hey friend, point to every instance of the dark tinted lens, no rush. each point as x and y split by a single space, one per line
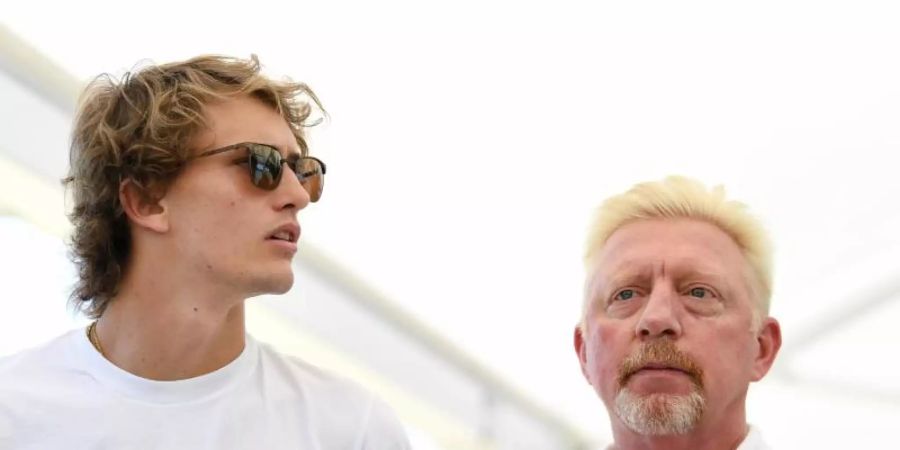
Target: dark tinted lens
311 173
265 166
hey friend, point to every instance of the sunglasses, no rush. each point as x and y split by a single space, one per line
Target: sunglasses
266 164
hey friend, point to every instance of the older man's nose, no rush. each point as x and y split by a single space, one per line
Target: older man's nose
660 315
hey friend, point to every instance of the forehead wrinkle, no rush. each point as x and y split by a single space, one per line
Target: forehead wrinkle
678 269
627 271
694 268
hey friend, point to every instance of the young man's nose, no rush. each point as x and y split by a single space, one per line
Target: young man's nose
290 194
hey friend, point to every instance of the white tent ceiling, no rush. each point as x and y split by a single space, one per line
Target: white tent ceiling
469 144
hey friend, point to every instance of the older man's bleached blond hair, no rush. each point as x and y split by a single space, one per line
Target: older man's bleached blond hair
682 197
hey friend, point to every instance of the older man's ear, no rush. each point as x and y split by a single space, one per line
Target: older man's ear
580 350
768 341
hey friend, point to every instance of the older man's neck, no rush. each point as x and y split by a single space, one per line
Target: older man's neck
722 435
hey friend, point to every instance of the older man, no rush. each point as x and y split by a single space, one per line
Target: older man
675 320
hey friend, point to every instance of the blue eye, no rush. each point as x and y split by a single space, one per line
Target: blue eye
699 292
625 294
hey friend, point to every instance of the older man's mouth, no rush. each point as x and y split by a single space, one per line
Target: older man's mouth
661 377
659 361
659 369
663 367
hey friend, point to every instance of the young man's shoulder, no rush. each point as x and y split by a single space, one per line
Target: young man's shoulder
335 399
285 371
62 386
36 381
33 364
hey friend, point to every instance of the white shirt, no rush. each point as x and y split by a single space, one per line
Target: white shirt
753 441
66 395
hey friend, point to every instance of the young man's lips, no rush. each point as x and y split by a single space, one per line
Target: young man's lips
284 245
285 237
289 232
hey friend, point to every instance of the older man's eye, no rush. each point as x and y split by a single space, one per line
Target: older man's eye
700 292
624 294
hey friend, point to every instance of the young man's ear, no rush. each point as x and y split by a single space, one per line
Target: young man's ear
143 209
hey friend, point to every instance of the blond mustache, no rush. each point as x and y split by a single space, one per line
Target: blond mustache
660 352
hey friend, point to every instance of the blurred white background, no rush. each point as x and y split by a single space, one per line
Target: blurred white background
469 143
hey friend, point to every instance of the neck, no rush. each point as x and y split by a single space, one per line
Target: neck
722 430
171 330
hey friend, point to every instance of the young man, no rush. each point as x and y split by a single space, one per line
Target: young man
675 323
187 181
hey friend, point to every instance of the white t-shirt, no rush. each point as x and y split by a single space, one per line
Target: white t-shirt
753 441
65 395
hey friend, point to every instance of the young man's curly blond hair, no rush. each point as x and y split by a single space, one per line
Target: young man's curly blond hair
139 128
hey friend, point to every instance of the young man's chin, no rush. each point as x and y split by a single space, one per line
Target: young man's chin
283 284
271 283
